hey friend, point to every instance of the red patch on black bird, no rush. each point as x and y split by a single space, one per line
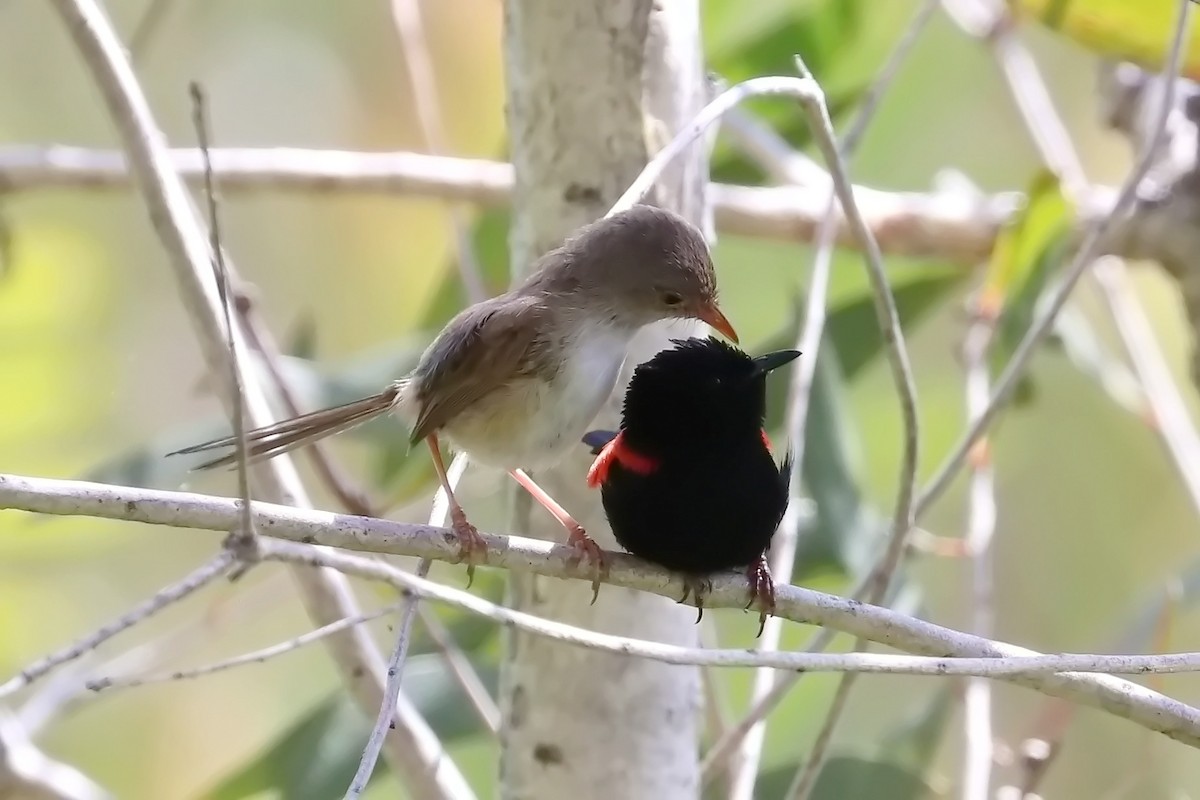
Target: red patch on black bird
616 450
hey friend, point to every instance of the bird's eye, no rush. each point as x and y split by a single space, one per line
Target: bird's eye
671 298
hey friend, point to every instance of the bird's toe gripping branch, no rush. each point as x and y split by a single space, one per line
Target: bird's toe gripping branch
697 589
587 548
469 540
762 589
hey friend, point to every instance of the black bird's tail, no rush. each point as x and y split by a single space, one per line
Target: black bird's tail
597 439
785 470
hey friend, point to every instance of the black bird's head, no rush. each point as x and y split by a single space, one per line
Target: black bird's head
700 391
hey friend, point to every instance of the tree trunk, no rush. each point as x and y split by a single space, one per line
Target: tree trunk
594 88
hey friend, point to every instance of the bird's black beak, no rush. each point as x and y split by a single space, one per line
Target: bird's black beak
765 363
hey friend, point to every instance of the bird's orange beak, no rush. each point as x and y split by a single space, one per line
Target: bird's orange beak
710 314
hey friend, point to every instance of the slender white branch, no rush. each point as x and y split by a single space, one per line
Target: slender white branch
413 750
391 695
998 667
981 525
461 669
1089 249
904 223
256 657
782 160
406 14
197 579
182 510
28 773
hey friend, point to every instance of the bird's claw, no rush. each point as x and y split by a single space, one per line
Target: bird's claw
469 541
697 589
762 589
586 547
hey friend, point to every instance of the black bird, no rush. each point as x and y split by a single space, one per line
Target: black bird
689 482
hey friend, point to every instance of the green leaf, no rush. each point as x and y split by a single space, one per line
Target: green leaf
489 242
852 325
1023 258
747 40
1117 29
843 42
316 757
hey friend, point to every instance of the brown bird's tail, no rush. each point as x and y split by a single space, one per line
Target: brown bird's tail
291 434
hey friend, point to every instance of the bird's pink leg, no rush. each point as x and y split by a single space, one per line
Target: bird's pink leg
576 536
468 537
762 589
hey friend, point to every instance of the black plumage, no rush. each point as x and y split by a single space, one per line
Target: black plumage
689 481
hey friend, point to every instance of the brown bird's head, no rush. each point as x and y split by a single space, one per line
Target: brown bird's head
637 267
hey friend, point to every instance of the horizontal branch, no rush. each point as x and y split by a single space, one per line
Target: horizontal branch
178 509
948 226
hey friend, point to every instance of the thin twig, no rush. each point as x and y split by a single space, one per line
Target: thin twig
366 765
981 525
806 777
812 99
1088 251
1157 388
182 510
461 669
786 540
1172 422
195 580
414 751
406 14
246 534
387 711
993 667
905 223
148 25
256 657
67 687
26 773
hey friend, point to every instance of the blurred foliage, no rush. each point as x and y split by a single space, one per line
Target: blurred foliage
1026 252
1139 32
101 377
316 758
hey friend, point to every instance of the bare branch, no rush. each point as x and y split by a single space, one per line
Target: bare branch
784 545
197 579
391 695
1090 248
255 657
407 16
1024 665
1143 706
414 750
981 526
29 774
904 223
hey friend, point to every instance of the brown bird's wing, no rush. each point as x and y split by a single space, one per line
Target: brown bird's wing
485 347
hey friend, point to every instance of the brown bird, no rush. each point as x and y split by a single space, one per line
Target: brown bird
514 381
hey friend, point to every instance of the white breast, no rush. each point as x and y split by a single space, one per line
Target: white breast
538 422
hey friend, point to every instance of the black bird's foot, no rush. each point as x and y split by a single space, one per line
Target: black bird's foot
762 589
469 541
697 589
587 548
